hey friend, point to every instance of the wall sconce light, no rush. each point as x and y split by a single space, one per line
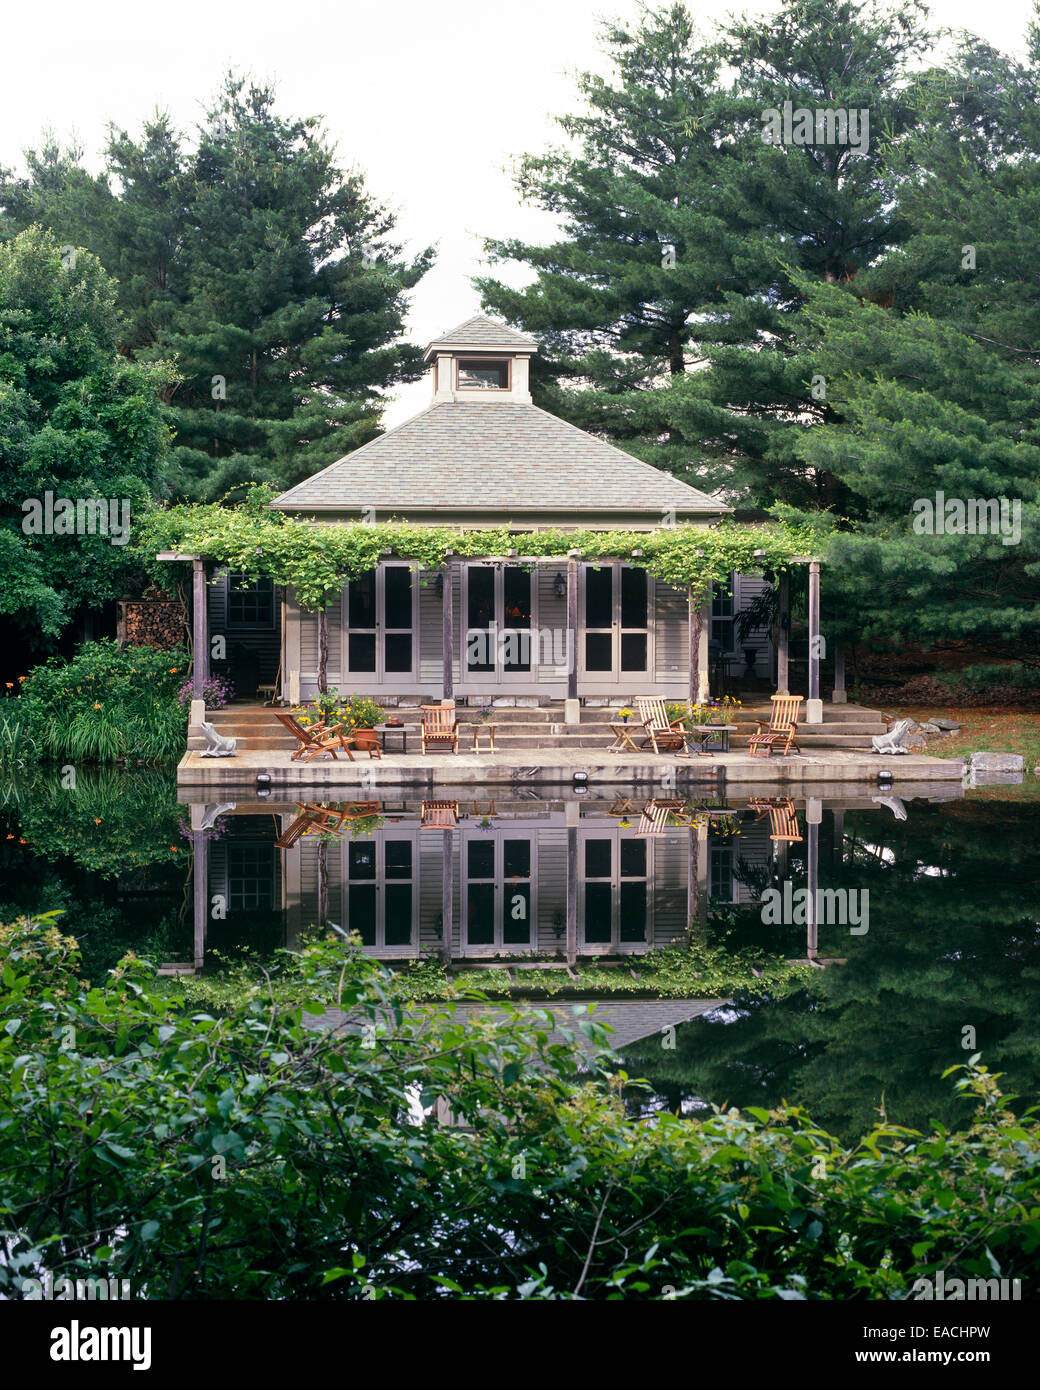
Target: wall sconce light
560 586
438 925
438 584
557 924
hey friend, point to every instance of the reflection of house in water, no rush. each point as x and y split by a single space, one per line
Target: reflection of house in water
516 879
510 879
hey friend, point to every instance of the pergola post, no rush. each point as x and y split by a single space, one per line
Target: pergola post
447 893
447 635
571 707
200 888
838 696
694 620
783 636
199 639
813 817
814 705
572 895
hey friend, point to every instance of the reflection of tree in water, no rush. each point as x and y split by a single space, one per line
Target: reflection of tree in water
954 943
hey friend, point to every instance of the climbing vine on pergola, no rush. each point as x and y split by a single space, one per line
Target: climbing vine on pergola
317 558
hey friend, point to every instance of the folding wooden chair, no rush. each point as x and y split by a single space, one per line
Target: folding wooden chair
439 727
314 738
444 814
783 722
662 734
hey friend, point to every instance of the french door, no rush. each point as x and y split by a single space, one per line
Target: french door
380 623
379 880
498 908
614 898
615 641
498 608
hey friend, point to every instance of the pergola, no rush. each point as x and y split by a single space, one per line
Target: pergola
697 643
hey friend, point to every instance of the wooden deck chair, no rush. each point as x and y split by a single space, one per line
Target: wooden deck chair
783 819
444 814
662 734
783 722
439 727
314 738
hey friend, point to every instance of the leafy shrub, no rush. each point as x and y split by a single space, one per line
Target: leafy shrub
252 1155
105 704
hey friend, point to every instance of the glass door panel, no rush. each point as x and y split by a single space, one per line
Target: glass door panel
516 618
380 624
617 607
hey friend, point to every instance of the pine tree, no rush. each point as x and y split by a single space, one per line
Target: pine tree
700 361
271 276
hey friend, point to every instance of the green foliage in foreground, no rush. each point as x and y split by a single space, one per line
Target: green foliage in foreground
106 703
253 1156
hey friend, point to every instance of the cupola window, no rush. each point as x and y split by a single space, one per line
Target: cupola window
477 374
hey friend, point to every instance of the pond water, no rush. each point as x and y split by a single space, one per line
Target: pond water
925 922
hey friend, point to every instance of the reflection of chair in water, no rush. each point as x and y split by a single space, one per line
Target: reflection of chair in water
783 819
327 820
654 819
440 813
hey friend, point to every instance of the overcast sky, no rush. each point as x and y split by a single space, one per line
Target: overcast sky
432 99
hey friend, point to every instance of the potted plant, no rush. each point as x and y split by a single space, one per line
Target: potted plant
625 714
360 715
485 711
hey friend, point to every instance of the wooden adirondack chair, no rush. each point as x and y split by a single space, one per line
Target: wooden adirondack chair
439 727
314 738
780 730
783 819
662 734
443 814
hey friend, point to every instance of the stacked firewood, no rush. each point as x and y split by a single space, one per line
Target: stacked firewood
151 623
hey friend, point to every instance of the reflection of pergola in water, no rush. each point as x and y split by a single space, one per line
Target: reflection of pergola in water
330 823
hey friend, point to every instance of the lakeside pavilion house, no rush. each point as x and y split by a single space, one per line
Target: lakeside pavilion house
567 629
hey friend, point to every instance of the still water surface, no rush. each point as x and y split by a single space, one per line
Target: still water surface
938 954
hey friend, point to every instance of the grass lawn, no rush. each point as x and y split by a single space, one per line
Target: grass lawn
996 729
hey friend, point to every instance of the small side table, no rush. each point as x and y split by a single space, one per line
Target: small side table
476 736
715 737
623 737
387 730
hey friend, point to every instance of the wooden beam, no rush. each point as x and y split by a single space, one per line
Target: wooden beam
694 620
812 926
814 630
839 695
447 893
200 892
572 894
572 625
199 628
783 639
448 633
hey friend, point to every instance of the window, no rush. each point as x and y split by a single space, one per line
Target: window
722 616
250 601
475 375
251 878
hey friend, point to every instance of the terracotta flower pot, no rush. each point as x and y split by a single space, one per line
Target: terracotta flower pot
364 739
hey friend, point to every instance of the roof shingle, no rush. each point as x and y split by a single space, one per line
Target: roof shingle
493 455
